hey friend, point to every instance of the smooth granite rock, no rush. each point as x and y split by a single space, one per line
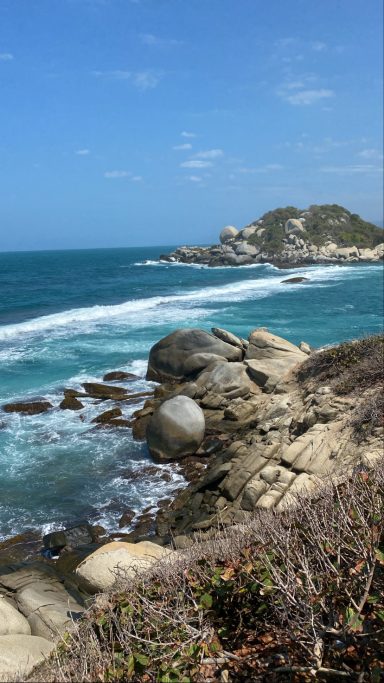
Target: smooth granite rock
176 429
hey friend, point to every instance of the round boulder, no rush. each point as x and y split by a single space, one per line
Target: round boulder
228 233
184 353
293 227
247 232
176 429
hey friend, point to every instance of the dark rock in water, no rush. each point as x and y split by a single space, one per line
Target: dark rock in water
126 518
119 375
28 407
120 423
20 548
104 391
139 427
107 416
295 280
71 403
81 534
73 393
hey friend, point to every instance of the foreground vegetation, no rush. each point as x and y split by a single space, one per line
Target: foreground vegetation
353 368
295 597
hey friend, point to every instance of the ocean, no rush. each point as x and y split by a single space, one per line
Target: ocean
68 317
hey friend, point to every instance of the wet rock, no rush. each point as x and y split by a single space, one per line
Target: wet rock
295 280
126 518
28 407
75 536
107 416
105 391
71 403
119 375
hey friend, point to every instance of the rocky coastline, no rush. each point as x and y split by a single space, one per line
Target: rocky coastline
289 238
252 423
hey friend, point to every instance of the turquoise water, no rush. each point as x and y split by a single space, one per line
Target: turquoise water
69 317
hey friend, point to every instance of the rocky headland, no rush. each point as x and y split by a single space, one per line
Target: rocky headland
291 237
257 424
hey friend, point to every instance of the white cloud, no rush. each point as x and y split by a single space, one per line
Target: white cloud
352 168
307 97
260 169
196 163
318 46
116 174
370 154
210 154
186 146
152 40
195 178
137 178
142 80
186 134
82 152
6 56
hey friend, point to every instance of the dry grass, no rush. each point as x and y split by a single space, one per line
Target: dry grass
284 598
355 368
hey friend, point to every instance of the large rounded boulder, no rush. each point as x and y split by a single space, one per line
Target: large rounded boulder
176 429
228 233
293 227
184 353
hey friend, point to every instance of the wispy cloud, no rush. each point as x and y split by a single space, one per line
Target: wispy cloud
142 80
116 174
296 93
352 168
187 134
6 56
196 163
82 152
370 154
155 41
209 154
195 178
318 46
260 169
185 146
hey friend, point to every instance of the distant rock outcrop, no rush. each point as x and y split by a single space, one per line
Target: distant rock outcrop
288 237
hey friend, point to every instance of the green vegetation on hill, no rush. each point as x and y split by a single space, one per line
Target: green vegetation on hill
323 223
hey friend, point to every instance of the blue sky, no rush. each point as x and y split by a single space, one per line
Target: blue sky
139 122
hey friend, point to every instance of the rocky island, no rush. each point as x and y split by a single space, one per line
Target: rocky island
289 237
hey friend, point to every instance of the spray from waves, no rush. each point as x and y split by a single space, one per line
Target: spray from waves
160 306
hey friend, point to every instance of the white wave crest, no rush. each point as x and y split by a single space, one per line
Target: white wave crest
159 308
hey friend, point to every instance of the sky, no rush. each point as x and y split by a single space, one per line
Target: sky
158 122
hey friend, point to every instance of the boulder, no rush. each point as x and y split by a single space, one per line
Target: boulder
107 416
293 226
71 403
269 358
346 252
247 249
247 232
368 255
119 375
81 534
49 608
176 429
229 380
295 280
228 233
99 571
19 654
227 337
28 407
172 357
11 621
104 391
